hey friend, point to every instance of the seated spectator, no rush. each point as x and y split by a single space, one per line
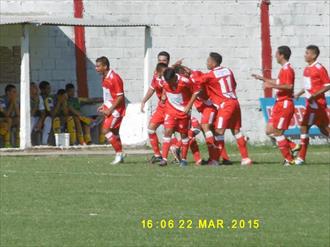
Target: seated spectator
82 123
9 114
40 122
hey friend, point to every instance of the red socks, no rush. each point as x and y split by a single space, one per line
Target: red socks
304 141
185 147
284 147
241 143
166 146
115 142
195 149
154 142
224 154
291 144
220 143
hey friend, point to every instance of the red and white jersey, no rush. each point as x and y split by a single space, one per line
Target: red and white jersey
203 100
157 85
177 99
220 85
113 87
286 76
315 78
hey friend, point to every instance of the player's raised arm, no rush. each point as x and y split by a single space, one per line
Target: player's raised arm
148 95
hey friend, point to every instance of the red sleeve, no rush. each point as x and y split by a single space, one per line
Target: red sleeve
153 83
324 76
204 78
118 86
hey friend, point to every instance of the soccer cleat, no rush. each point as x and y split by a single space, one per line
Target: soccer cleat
118 159
163 162
205 162
299 161
155 159
183 163
226 162
213 163
199 163
289 163
296 149
246 162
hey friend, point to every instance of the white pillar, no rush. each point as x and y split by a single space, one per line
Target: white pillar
146 77
25 116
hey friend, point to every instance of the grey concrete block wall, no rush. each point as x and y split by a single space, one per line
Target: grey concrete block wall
187 29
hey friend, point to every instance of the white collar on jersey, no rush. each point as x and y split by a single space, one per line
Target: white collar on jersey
286 64
313 63
219 67
109 73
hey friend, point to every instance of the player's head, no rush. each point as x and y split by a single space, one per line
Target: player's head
10 91
214 60
33 89
181 70
61 93
163 57
312 53
283 54
69 88
102 65
160 68
44 87
170 76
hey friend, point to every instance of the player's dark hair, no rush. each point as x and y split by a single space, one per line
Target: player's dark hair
61 91
165 54
43 84
161 66
285 51
169 74
32 83
315 49
104 61
69 86
216 58
9 87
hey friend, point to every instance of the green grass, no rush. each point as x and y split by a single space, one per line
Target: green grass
84 201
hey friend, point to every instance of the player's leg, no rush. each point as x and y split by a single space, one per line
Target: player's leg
156 120
166 144
79 130
194 147
47 126
241 141
154 142
71 127
284 147
175 148
87 134
110 129
304 142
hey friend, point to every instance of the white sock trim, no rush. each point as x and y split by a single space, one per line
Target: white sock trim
208 134
280 138
238 135
166 139
151 131
108 135
304 136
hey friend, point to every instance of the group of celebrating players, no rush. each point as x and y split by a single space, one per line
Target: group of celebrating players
213 94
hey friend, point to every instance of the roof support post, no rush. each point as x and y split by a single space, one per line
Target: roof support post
146 75
25 115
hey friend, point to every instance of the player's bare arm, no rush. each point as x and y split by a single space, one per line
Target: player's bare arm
322 91
191 102
148 95
115 104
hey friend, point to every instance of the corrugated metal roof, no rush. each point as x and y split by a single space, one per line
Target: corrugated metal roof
65 21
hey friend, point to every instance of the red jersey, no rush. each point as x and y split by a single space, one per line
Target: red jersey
316 77
113 87
285 76
177 99
220 85
157 85
202 100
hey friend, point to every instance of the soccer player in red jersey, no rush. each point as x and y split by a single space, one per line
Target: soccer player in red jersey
208 111
283 109
179 95
220 85
317 82
158 115
113 107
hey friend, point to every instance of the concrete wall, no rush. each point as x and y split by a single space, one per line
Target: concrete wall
187 29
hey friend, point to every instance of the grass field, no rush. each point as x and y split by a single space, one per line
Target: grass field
85 201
